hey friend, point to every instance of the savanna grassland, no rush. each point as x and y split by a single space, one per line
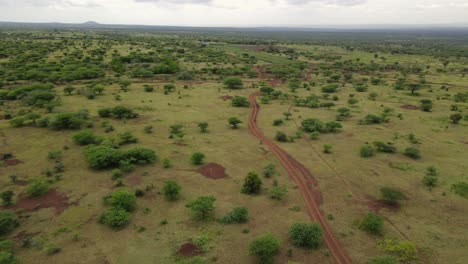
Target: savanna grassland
144 147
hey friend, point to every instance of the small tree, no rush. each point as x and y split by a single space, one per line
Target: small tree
281 137
171 190
327 148
307 235
456 118
372 223
115 218
85 137
125 85
233 83
68 90
197 158
7 197
252 184
277 192
234 122
203 126
264 247
202 207
426 105
239 101
287 115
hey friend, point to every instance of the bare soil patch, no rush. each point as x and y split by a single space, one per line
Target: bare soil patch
213 171
188 250
12 162
376 205
226 97
134 180
410 107
52 198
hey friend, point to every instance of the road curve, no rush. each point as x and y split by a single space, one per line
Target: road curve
303 180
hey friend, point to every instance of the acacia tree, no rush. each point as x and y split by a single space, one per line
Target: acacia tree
264 247
234 122
233 83
203 126
252 184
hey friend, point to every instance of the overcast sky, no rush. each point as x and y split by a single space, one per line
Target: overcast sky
237 12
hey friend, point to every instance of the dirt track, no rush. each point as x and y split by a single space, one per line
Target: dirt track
304 182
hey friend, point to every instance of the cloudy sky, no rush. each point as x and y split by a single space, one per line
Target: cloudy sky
237 12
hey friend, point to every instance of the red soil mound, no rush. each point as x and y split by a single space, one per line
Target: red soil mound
188 250
213 171
52 198
12 162
376 205
410 107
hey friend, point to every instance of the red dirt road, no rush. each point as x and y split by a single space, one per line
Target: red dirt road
303 179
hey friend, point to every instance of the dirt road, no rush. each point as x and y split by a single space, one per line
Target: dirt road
305 183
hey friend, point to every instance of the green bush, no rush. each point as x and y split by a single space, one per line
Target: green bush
238 215
405 251
233 83
391 195
104 157
171 190
68 121
8 222
239 101
202 207
115 218
372 223
307 235
412 153
86 137
367 151
37 188
197 158
252 184
281 137
264 247
278 122
277 192
382 147
460 188
7 257
121 199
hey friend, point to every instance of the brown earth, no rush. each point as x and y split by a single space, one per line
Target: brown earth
410 107
52 198
226 97
12 162
213 171
188 250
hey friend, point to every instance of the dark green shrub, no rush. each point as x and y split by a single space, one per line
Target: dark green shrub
8 222
197 158
67 121
238 215
382 147
239 101
412 153
391 195
281 137
233 83
307 235
202 207
367 151
277 192
252 184
278 122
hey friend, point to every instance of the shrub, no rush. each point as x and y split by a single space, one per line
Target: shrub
115 217
382 147
327 148
372 223
121 199
278 122
238 215
391 195
102 157
171 190
7 257
86 137
8 222
312 125
121 112
252 184
382 260
281 137
239 101
405 251
373 119
367 151
202 207
7 197
67 121
126 138
426 105
203 126
412 153
37 188
456 118
307 235
331 88
269 170
197 158
166 163
105 112
277 192
460 188
264 247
